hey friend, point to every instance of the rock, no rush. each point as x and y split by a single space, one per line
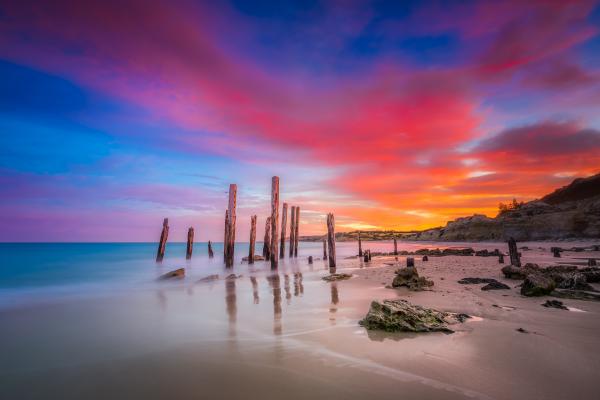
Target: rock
486 253
592 275
232 276
458 252
209 278
522 330
575 294
402 316
512 272
571 280
492 284
409 277
336 277
495 286
425 258
555 304
537 284
256 258
177 273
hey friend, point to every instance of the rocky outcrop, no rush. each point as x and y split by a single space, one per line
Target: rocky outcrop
402 316
537 284
409 277
175 274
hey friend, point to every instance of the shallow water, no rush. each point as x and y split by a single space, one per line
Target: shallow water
91 321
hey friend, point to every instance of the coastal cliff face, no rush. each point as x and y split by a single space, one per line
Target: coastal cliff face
569 212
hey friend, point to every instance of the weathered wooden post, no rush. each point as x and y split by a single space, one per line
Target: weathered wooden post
160 253
369 252
395 247
274 222
283 228
514 253
366 256
267 240
190 243
225 235
310 259
252 239
501 259
296 229
231 227
211 254
292 230
331 241
360 252
410 262
324 249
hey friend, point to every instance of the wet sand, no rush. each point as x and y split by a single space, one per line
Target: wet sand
291 335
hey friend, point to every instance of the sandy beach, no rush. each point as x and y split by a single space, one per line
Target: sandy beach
290 334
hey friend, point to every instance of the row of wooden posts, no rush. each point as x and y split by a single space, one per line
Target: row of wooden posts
273 240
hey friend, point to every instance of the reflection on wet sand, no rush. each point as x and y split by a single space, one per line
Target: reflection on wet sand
298 286
288 293
334 301
255 289
231 302
275 284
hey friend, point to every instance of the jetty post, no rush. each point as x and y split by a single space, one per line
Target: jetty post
292 230
283 228
515 259
160 253
296 229
230 230
331 241
252 239
211 254
190 243
267 240
274 222
360 252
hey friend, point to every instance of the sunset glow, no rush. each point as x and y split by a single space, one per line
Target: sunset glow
398 115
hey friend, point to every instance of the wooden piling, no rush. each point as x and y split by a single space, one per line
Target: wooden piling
231 226
360 252
296 231
331 240
274 222
366 256
292 230
515 259
211 254
324 249
369 254
395 247
252 239
225 235
267 240
160 253
410 262
190 243
310 259
283 228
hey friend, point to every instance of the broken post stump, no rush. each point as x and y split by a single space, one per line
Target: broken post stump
283 228
410 262
211 254
274 222
310 259
360 252
331 240
267 240
366 256
252 239
190 243
296 231
425 258
324 249
395 247
369 253
515 258
556 252
292 230
162 243
501 259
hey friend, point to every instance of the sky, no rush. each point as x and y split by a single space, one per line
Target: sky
390 114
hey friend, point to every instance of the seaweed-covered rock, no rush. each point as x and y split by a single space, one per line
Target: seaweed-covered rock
402 316
537 284
513 272
409 277
177 274
336 277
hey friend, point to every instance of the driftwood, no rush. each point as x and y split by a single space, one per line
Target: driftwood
296 229
211 254
292 230
230 247
160 253
515 259
267 240
331 240
274 222
252 239
360 252
190 243
283 228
